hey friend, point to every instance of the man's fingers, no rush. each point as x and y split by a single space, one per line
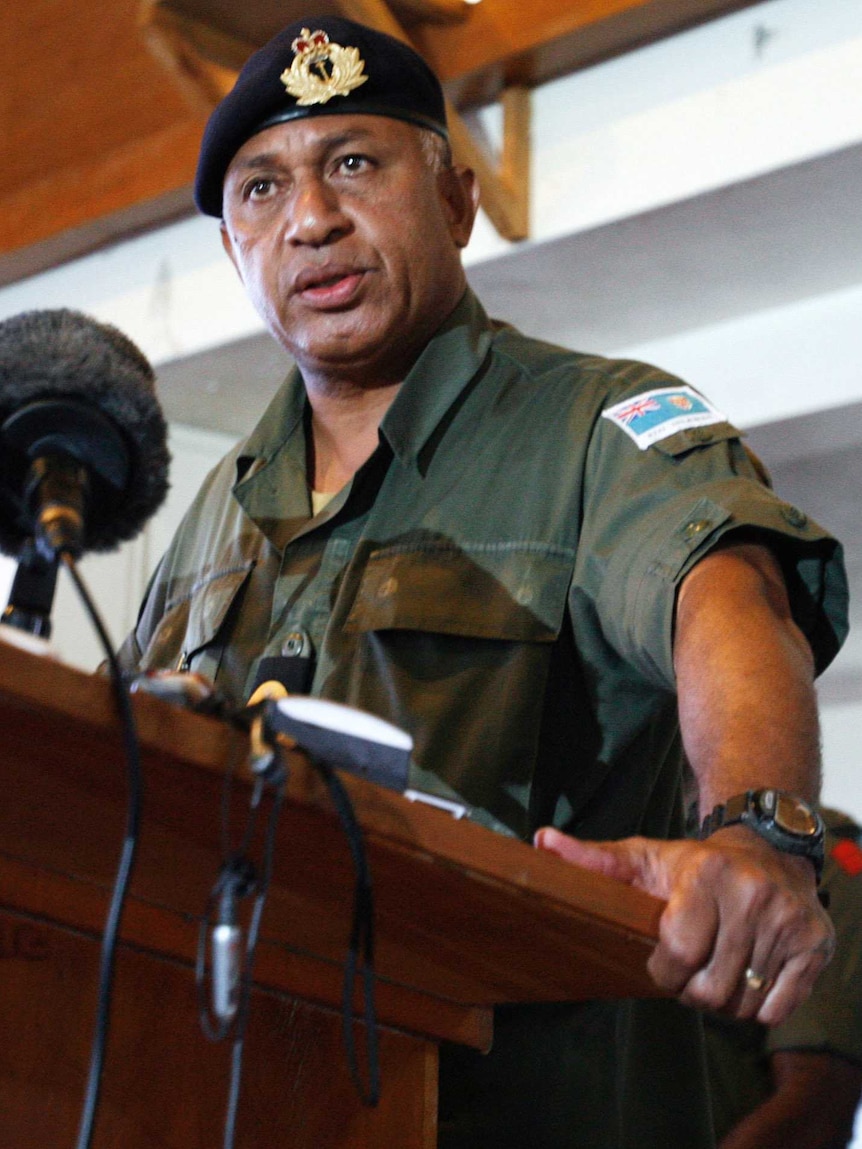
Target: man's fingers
621 860
794 983
770 943
708 934
687 931
742 931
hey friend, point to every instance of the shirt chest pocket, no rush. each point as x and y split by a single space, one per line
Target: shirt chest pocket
508 592
454 645
192 632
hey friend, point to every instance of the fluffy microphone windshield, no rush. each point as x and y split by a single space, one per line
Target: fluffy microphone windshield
65 355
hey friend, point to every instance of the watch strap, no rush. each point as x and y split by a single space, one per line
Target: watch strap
728 813
757 809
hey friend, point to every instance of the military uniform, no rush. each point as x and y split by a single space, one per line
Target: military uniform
830 1021
499 579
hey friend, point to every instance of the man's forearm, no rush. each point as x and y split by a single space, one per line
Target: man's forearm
745 679
742 930
778 1124
813 1105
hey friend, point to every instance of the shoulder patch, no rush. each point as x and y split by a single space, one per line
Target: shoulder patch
655 415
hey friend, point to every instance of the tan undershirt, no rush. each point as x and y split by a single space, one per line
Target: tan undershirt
321 499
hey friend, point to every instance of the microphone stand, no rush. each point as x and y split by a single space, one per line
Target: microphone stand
32 593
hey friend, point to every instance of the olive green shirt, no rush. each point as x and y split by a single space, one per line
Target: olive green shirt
499 580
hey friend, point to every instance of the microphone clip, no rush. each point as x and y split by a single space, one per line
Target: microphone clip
237 879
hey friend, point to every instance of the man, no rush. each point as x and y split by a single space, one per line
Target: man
538 562
798 1085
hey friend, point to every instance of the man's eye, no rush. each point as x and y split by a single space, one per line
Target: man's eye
354 163
257 188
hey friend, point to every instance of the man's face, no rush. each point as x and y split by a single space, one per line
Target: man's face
347 241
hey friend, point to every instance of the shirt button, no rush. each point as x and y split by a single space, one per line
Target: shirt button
702 435
296 645
794 516
697 528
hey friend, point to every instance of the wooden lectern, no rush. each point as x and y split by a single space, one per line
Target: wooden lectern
465 919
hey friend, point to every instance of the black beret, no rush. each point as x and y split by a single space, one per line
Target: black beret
319 66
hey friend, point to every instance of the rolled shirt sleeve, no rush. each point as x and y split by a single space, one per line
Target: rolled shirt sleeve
651 514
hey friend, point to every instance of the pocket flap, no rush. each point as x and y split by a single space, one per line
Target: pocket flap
499 591
211 600
199 611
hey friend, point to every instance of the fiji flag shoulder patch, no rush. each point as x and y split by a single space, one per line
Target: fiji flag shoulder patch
655 415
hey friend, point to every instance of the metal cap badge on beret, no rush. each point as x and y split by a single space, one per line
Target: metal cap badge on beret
320 66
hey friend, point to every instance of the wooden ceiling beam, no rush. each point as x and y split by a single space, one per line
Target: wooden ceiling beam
482 52
95 137
505 43
142 184
478 49
96 141
202 59
505 180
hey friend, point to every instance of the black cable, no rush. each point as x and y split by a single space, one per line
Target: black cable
125 865
251 947
228 851
235 880
361 943
238 878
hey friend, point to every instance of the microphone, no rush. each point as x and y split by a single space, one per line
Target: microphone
83 441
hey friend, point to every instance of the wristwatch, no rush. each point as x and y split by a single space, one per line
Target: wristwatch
785 821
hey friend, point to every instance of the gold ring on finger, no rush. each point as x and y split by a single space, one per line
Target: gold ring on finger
755 981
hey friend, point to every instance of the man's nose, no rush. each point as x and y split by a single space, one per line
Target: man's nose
315 215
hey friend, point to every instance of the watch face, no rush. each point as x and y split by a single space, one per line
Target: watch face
794 816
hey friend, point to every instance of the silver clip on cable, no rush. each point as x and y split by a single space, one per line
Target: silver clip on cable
224 1010
237 880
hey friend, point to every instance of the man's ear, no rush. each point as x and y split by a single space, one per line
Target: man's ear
459 190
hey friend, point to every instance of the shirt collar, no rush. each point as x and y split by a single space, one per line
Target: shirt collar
270 468
450 360
278 424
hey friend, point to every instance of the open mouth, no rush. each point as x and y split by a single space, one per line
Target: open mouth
329 289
